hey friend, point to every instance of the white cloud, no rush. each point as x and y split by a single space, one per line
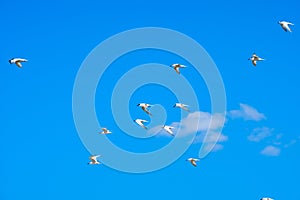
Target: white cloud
195 122
271 151
211 137
207 125
247 113
258 134
291 143
213 147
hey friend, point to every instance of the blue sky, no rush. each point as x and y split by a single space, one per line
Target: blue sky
42 155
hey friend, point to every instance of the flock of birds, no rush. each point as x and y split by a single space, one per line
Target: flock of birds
145 106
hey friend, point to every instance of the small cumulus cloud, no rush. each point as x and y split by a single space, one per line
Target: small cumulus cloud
291 143
271 151
195 122
207 126
211 137
258 134
247 112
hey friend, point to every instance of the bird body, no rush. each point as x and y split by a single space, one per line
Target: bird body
141 122
94 160
182 106
17 61
168 129
105 131
285 25
145 107
254 58
193 161
177 66
266 198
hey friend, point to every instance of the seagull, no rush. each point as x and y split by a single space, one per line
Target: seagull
144 106
141 122
94 160
182 106
105 131
193 161
17 61
255 58
285 25
266 198
168 129
177 66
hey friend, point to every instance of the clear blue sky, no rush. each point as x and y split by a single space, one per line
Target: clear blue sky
42 156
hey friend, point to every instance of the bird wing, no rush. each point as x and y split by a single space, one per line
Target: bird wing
104 129
176 68
194 163
144 126
140 122
287 28
93 159
147 111
168 129
254 62
18 63
184 107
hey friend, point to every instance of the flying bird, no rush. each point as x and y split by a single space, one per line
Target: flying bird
94 160
168 129
177 67
141 122
182 106
17 61
145 107
193 161
285 25
105 131
254 58
266 198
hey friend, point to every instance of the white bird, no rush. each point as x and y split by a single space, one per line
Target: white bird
285 25
182 106
266 198
141 122
17 61
193 161
177 67
105 131
254 58
145 107
94 160
168 129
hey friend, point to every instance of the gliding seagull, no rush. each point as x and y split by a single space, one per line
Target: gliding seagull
177 66
254 58
285 25
94 160
144 106
182 106
168 129
17 61
141 122
105 131
193 161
